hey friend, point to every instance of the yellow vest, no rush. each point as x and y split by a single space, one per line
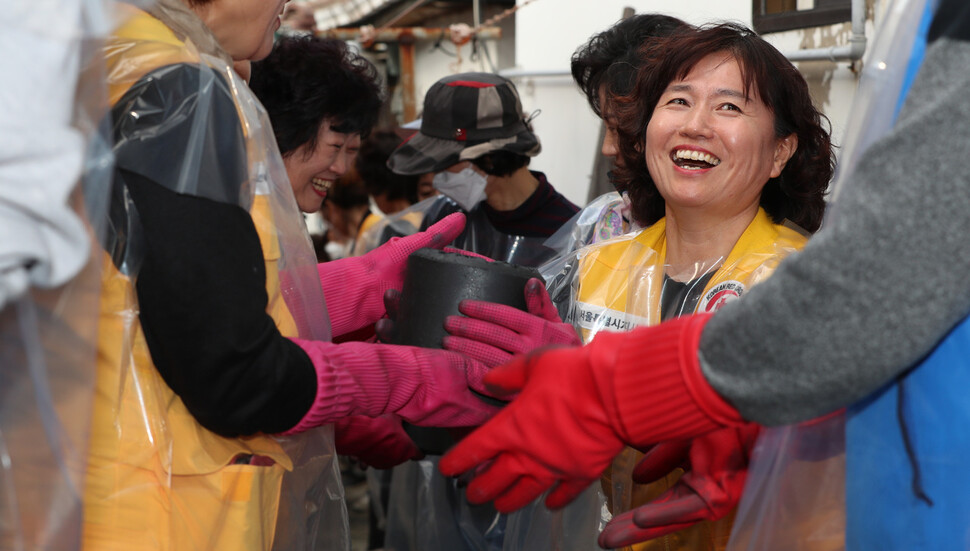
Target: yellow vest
156 479
620 284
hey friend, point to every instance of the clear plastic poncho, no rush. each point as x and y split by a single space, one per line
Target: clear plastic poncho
50 104
156 478
795 495
425 509
605 217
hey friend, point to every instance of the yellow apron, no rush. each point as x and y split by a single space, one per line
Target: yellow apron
619 289
156 479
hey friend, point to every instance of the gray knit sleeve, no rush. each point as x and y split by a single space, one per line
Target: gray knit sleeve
883 281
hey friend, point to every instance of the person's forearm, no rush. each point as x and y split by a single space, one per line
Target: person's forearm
880 284
202 299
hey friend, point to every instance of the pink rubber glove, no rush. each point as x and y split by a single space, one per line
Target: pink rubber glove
716 466
354 287
579 406
421 386
378 442
492 333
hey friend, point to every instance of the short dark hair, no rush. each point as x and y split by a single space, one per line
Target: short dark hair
798 194
618 44
501 163
371 164
306 80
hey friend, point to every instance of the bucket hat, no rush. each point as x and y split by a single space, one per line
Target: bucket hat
466 116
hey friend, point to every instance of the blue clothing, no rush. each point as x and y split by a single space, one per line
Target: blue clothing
915 498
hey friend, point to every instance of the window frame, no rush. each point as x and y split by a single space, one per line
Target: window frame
825 12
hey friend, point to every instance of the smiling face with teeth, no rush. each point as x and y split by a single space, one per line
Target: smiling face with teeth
312 172
710 149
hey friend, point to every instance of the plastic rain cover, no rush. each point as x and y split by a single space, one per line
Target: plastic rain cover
164 482
624 283
49 281
794 497
603 218
425 509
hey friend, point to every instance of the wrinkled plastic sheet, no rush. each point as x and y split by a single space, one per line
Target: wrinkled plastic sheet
307 498
427 510
605 217
795 495
479 236
48 328
794 498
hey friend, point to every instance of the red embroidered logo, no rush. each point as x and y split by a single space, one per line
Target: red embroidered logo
719 295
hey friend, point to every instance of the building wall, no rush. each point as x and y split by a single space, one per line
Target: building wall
538 41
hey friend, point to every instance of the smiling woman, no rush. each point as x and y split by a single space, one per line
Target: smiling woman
720 145
707 91
322 98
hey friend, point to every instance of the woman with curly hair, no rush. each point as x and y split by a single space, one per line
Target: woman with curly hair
727 163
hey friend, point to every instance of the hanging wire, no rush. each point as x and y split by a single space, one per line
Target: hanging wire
488 56
495 19
439 45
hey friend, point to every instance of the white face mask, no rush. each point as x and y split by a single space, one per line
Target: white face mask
467 188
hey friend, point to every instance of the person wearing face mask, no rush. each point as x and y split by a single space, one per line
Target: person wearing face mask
476 140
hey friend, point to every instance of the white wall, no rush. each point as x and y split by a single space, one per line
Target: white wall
547 33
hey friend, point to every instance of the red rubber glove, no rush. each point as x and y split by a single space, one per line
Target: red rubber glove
378 442
354 287
579 406
421 386
716 466
492 333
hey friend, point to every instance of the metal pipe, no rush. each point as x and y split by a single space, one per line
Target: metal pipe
395 34
406 47
517 73
850 52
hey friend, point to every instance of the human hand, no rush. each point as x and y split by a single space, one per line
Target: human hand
354 287
716 466
579 406
492 333
378 442
558 409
